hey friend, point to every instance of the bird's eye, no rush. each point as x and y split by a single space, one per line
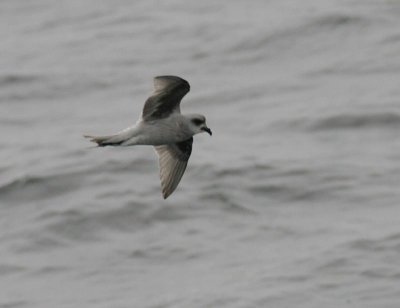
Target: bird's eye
197 122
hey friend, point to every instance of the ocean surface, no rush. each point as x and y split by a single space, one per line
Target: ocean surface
293 202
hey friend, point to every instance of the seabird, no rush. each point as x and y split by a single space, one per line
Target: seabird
163 126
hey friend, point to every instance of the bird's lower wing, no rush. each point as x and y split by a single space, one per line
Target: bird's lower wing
173 159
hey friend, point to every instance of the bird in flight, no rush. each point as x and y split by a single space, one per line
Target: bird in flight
163 126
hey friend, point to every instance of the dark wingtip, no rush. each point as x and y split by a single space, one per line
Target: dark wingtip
165 195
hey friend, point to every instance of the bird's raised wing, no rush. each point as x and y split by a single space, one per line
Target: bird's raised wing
173 159
169 91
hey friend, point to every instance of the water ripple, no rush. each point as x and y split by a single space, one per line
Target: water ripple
357 121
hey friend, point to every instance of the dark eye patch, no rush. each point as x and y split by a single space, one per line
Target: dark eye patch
197 122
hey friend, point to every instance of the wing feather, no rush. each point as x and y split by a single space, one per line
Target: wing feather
173 159
169 91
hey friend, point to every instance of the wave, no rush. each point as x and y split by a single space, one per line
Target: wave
348 121
226 201
28 188
298 34
338 20
226 187
18 79
20 87
11 269
82 225
389 242
60 182
357 121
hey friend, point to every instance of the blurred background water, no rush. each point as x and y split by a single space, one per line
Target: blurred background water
294 201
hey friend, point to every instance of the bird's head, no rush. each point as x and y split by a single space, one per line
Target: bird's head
197 124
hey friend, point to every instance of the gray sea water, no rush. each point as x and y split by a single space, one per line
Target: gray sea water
293 202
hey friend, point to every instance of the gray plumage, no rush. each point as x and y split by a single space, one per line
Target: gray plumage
169 91
163 126
173 159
